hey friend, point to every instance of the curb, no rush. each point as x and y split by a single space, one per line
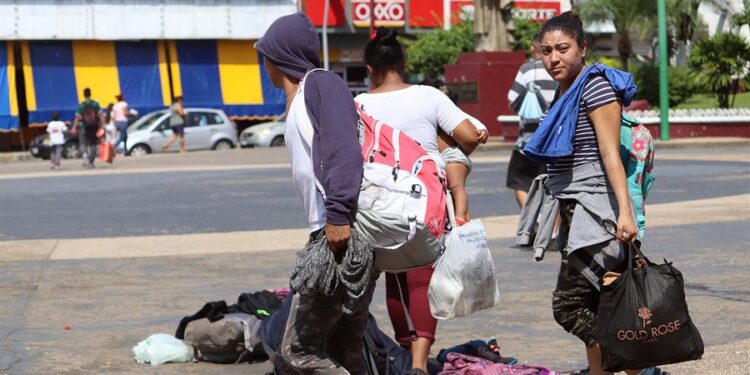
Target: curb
495 145
703 142
10 157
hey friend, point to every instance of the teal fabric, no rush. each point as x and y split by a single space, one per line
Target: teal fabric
637 153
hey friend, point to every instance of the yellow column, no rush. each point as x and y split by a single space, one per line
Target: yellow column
95 67
239 72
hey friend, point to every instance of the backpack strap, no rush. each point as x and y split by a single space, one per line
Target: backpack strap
372 368
250 329
397 151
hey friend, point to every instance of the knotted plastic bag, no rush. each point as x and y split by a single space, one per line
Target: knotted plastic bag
162 348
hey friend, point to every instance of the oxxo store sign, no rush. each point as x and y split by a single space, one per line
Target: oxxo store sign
391 13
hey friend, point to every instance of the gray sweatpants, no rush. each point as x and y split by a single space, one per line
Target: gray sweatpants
320 339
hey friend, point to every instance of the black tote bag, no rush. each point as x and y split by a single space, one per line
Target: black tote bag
643 318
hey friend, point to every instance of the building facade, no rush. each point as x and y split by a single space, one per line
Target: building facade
149 51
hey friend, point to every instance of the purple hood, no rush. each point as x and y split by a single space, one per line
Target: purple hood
291 43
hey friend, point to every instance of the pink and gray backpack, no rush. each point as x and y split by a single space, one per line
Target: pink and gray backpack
402 200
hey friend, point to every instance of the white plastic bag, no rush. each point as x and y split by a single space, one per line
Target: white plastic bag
464 279
162 348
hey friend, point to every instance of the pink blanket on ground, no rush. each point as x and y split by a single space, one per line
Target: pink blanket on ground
461 364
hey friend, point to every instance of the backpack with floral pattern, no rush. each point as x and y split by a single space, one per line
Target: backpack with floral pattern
637 153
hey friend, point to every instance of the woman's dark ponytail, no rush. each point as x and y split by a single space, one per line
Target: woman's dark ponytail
384 52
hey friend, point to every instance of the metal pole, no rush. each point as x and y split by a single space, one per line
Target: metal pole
372 19
663 71
325 35
447 14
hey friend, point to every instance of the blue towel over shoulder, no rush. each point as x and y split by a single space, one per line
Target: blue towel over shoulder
554 137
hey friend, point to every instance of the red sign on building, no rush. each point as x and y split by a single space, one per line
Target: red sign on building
336 12
390 13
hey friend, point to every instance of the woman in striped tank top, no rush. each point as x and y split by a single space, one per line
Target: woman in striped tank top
589 184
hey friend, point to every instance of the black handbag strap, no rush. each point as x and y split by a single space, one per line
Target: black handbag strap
633 248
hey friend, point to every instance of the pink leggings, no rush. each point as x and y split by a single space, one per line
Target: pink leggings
413 287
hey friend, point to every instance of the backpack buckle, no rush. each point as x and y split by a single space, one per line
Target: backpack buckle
394 172
416 189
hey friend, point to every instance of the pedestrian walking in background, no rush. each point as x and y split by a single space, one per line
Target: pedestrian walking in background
324 332
121 122
177 120
107 141
87 123
429 117
589 184
533 85
56 130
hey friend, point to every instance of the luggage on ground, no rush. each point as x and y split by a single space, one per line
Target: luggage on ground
647 317
224 333
232 339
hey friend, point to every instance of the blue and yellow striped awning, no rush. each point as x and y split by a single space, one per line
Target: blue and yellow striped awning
225 74
8 102
221 74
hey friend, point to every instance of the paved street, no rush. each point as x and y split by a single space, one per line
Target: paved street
124 251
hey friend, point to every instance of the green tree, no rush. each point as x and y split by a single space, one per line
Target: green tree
720 63
682 84
626 15
430 52
524 34
684 23
742 18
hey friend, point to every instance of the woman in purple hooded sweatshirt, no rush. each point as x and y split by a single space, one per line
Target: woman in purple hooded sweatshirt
322 140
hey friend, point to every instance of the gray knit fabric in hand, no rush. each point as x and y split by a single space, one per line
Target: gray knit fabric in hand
317 271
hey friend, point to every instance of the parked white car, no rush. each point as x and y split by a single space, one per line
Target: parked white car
266 134
205 128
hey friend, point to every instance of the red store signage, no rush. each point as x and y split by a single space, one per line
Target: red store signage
390 13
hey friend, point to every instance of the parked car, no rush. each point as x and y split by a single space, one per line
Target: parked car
267 134
205 128
40 147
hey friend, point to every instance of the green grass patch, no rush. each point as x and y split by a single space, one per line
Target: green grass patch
709 101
